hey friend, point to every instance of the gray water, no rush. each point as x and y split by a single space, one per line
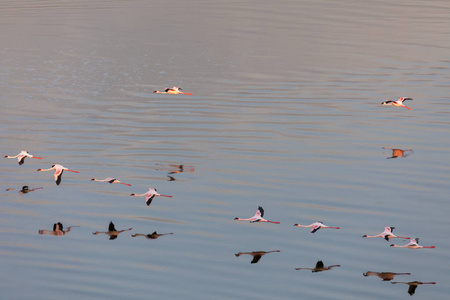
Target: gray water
285 115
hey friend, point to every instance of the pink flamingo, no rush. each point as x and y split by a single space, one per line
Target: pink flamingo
110 180
316 226
21 156
386 234
398 103
258 217
173 90
112 232
152 193
399 152
58 172
413 244
385 276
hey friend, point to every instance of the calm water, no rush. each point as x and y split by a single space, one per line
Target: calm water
285 114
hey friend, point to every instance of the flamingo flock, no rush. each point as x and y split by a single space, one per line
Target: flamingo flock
258 217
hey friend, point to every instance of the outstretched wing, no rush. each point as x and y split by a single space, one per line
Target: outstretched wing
149 199
260 212
111 227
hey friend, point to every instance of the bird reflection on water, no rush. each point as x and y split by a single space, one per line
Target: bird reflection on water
319 267
399 152
112 232
151 236
256 255
385 276
58 230
25 189
413 285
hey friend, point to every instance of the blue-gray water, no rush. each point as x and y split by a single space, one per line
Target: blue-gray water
285 114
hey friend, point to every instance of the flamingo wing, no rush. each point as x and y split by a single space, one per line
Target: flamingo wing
256 258
260 212
111 227
58 176
149 199
315 228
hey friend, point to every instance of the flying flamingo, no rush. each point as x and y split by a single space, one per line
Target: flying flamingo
316 226
150 195
319 267
398 103
110 180
112 232
386 234
385 276
151 236
21 156
413 244
173 90
413 285
58 172
256 255
258 217
58 230
399 152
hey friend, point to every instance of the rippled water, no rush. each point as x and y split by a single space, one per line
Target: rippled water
285 114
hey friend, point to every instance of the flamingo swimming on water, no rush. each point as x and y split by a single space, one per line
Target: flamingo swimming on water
386 234
21 156
173 90
58 172
413 244
152 193
316 226
110 180
258 217
398 103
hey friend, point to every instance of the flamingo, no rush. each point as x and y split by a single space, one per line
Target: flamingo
319 267
58 230
413 285
112 232
398 103
152 193
110 180
386 234
399 152
385 276
413 244
58 172
316 226
21 156
173 90
258 217
151 236
256 255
